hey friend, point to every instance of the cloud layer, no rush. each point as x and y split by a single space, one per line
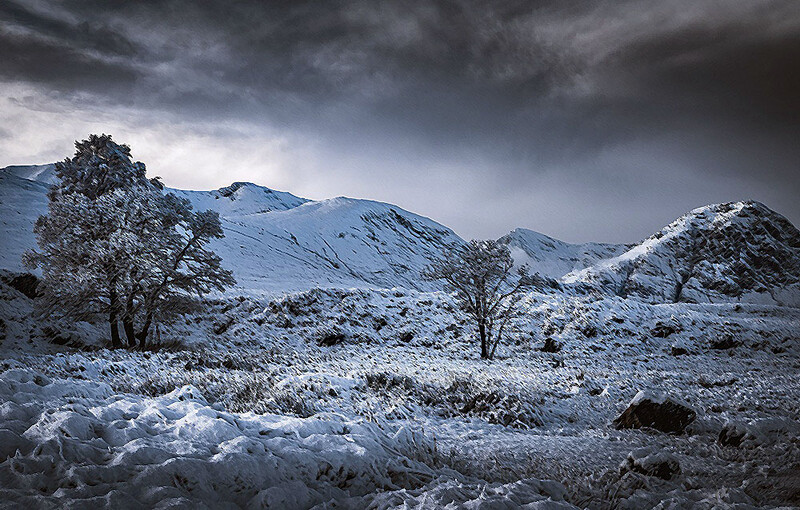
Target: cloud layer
584 120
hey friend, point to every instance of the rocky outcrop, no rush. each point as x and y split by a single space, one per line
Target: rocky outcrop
657 411
732 434
26 283
651 462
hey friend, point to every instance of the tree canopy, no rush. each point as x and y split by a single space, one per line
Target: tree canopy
114 244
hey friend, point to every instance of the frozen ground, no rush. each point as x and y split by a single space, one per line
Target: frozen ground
277 396
259 411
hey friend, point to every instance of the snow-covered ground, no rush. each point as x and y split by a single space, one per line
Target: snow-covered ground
324 381
401 411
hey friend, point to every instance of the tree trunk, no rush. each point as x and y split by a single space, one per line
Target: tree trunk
127 326
113 302
116 343
142 335
127 322
484 347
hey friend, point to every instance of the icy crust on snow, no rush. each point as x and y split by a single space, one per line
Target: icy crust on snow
738 251
71 443
275 241
553 258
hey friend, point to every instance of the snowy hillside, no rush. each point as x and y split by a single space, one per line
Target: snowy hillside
274 241
21 202
40 173
277 242
553 258
738 251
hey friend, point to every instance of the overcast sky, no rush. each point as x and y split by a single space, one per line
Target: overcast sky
585 120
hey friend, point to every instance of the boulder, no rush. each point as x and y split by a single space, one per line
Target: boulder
662 330
651 462
26 283
551 345
658 411
678 350
732 434
726 341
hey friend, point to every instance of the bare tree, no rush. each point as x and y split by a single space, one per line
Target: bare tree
486 287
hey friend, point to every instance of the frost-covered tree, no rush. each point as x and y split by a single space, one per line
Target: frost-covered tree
486 287
114 244
179 265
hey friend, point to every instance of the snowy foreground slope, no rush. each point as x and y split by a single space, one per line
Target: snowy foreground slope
331 378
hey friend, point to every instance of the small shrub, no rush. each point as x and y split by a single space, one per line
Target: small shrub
329 337
387 381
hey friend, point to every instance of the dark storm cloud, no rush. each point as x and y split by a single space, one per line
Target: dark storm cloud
607 95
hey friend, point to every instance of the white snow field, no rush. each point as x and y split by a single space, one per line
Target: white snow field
331 377
274 241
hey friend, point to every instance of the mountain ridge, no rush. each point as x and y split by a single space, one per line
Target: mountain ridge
276 241
741 251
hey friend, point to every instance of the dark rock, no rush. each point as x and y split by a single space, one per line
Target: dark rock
380 323
59 336
26 283
407 336
650 462
222 327
677 350
663 330
551 345
732 434
590 331
724 342
656 411
331 338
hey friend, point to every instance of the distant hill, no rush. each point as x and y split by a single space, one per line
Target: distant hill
553 258
736 251
274 241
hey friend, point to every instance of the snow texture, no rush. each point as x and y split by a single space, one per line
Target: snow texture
332 378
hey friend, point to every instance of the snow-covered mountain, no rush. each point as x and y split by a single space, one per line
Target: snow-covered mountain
736 251
40 173
277 242
21 202
553 258
274 241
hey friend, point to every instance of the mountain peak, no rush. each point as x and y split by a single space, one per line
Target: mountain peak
554 258
741 251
